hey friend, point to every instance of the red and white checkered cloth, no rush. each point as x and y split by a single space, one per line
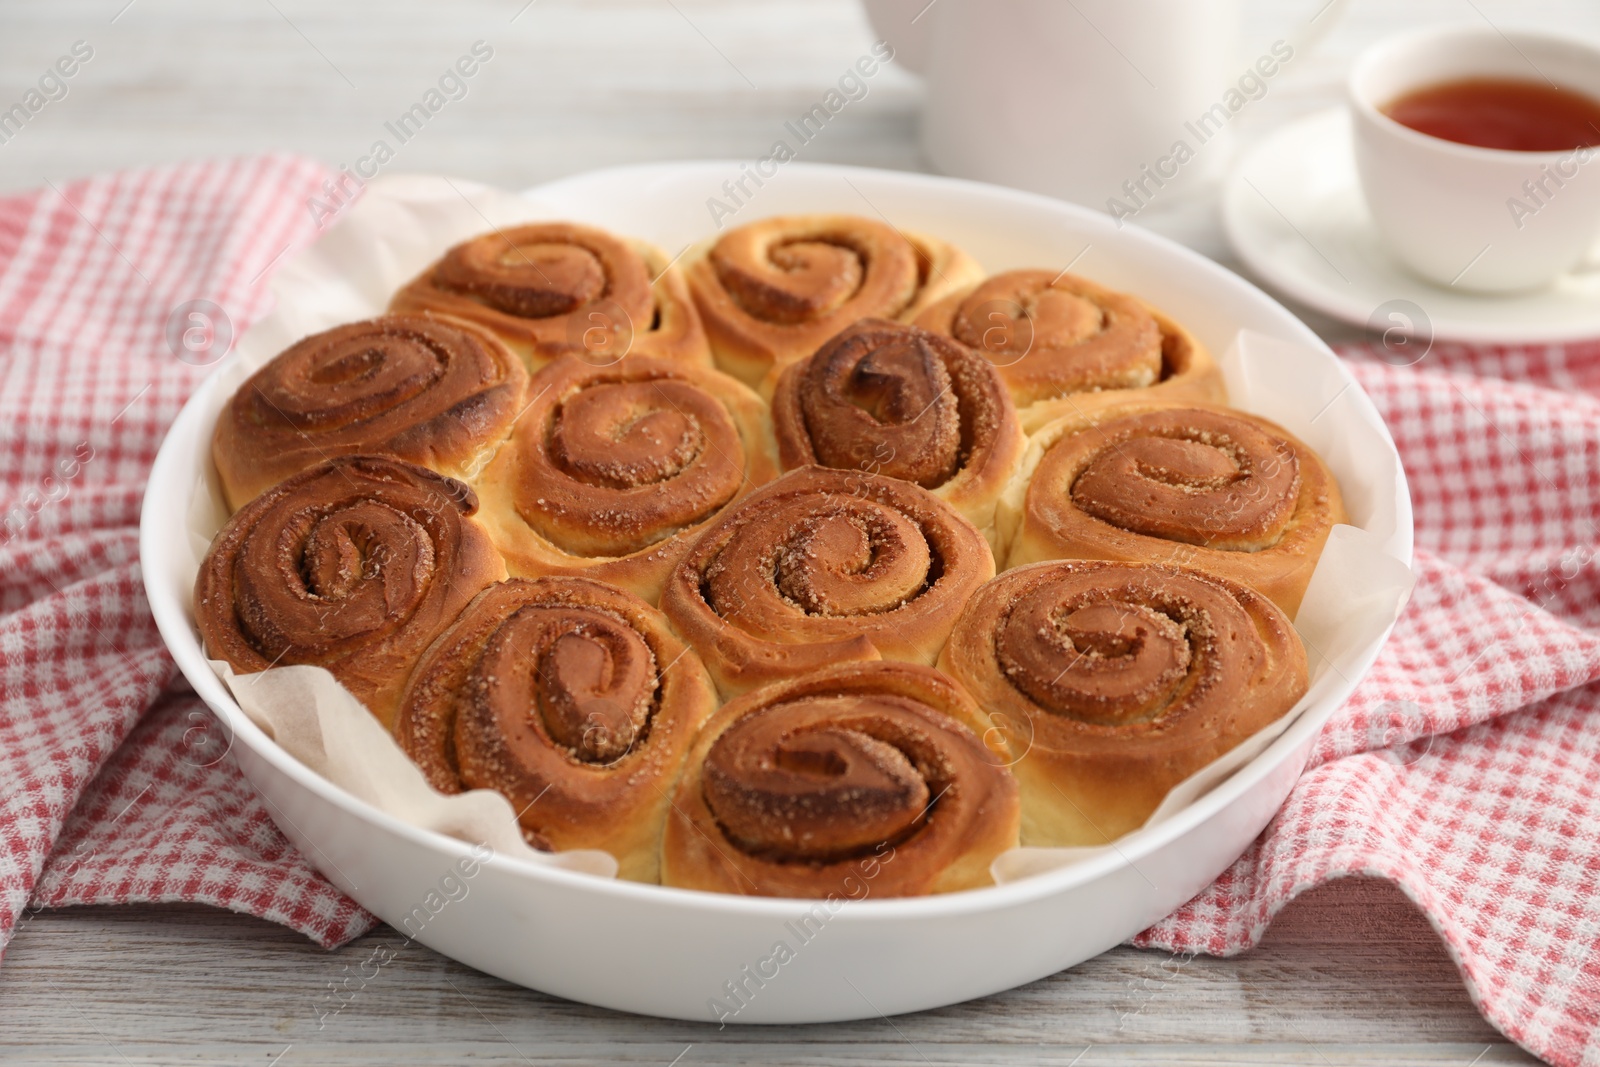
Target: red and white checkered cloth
1464 769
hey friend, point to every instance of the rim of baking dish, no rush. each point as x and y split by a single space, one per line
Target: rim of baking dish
166 488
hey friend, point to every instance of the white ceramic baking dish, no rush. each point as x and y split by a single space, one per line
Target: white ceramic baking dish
672 952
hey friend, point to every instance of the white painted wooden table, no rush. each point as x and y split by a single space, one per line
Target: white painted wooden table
1349 974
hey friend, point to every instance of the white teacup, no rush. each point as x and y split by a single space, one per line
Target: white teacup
1475 218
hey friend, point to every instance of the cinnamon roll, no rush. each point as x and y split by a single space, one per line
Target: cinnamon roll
825 566
1208 487
612 471
860 780
773 291
355 565
1188 375
550 289
942 268
573 699
430 390
1053 334
901 401
1112 682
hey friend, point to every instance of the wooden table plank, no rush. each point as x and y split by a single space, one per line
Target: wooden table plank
1351 973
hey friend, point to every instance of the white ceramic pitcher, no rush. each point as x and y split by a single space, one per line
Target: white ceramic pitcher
1096 101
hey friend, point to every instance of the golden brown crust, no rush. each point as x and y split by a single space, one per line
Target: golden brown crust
433 391
773 291
355 565
550 289
942 269
900 401
1055 337
1209 487
675 330
825 566
854 781
573 699
612 471
1188 375
1052 333
1113 682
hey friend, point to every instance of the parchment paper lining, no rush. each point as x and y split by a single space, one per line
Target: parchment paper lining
402 223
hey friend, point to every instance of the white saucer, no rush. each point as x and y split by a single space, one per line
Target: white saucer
1294 212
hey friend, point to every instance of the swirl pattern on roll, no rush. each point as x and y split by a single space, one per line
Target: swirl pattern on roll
612 470
558 288
903 402
429 390
1213 488
854 781
1051 334
1112 682
824 566
355 565
1188 375
773 291
571 698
